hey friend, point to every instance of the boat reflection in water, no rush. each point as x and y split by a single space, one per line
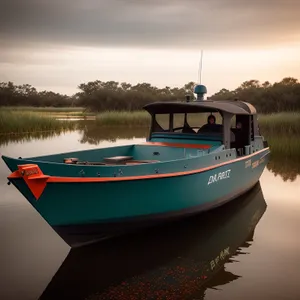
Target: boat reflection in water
175 261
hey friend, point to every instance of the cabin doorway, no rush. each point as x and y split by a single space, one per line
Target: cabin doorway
241 127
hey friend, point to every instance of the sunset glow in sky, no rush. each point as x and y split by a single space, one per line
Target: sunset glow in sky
56 45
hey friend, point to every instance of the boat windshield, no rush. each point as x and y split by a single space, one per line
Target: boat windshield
194 123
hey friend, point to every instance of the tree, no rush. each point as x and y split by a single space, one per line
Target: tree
289 81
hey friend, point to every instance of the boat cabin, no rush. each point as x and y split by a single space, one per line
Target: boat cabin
181 130
229 123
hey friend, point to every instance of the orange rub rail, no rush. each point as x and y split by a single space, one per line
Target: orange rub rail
37 181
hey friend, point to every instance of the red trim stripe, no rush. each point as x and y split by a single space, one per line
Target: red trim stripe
55 179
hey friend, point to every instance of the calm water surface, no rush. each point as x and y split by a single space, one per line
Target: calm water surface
248 249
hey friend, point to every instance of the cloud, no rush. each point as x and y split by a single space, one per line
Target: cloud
190 24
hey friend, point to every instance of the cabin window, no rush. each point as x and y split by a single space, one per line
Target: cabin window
178 121
161 122
185 122
233 122
199 119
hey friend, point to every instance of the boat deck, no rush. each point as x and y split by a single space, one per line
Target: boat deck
149 152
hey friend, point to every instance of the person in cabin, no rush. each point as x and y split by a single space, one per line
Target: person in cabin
210 126
239 138
211 120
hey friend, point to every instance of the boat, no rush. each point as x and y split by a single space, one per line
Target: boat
199 155
186 258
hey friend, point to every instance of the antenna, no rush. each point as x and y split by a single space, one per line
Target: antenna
200 89
200 67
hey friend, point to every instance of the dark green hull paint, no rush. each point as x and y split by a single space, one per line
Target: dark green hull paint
67 204
181 254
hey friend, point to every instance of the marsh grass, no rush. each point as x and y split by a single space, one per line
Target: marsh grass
280 123
282 131
123 118
13 122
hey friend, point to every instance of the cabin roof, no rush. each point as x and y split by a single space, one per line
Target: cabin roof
234 107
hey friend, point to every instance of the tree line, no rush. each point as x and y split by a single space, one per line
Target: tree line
27 95
266 97
101 96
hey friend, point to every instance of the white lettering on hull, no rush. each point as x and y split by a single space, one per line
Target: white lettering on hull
219 176
248 163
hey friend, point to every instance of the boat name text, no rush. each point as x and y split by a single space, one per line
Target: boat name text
219 176
248 163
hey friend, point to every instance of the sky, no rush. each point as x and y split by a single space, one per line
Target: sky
58 44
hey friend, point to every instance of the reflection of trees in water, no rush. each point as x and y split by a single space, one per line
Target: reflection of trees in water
91 134
5 139
287 167
94 134
285 155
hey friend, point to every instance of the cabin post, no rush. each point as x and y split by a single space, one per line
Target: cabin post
255 125
226 129
171 122
151 126
250 129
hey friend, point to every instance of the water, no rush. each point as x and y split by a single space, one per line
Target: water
248 249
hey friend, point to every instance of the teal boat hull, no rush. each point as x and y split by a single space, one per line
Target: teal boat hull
191 253
83 211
